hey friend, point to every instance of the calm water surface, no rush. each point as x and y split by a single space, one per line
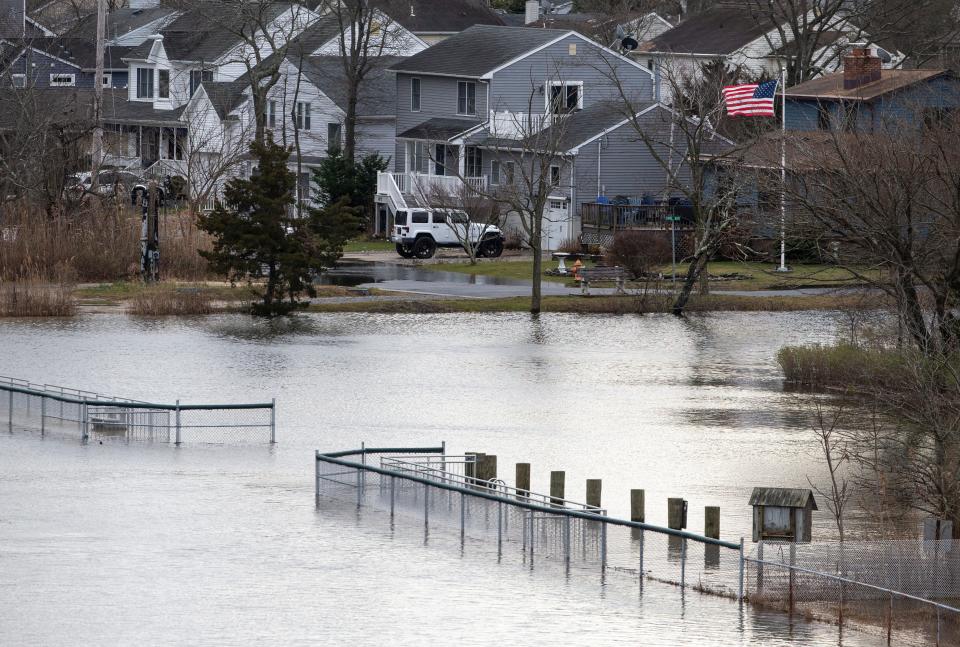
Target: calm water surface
114 544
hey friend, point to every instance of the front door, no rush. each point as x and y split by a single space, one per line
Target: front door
557 228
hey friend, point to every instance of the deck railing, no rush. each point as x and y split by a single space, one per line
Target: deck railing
634 216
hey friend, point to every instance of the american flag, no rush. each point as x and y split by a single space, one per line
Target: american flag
750 99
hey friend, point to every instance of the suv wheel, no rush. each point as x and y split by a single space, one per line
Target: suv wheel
405 250
425 247
492 248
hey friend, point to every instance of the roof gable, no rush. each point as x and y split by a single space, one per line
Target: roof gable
780 497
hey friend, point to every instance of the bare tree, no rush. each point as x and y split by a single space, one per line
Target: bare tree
472 218
826 420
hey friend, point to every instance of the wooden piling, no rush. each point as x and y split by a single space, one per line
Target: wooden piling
557 481
523 479
487 468
637 505
594 488
675 515
471 468
711 521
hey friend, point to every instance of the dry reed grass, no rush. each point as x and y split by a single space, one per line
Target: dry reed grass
99 243
162 301
35 299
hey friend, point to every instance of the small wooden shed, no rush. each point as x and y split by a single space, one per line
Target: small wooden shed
782 514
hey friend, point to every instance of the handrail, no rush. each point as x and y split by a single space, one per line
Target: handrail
133 405
849 581
329 458
381 450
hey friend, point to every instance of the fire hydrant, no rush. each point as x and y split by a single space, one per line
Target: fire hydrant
577 265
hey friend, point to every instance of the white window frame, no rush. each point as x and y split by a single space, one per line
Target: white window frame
509 172
18 80
494 172
271 113
466 98
160 94
107 80
564 85
559 175
136 79
337 145
304 119
415 107
72 83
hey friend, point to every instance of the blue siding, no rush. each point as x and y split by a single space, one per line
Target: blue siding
37 68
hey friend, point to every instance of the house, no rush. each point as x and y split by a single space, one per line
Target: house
735 34
470 109
601 27
865 97
16 23
60 62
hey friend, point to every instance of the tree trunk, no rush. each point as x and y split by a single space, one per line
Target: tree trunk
350 124
697 265
536 243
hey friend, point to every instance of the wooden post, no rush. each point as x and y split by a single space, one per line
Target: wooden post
523 479
487 469
557 480
594 487
637 506
711 521
675 515
471 469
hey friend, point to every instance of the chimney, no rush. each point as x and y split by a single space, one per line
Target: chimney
533 12
860 67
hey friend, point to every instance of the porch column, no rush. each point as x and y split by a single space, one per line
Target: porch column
461 161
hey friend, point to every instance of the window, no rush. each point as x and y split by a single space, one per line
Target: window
19 80
303 115
554 175
107 80
62 80
333 136
508 172
303 187
419 218
163 84
415 95
199 76
565 97
400 218
271 114
144 83
572 49
466 98
440 159
420 158
439 217
556 204
474 165
494 172
936 117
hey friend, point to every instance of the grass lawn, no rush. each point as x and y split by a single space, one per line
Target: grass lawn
758 276
112 293
368 245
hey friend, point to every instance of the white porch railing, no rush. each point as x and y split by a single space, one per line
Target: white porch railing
424 186
121 161
387 185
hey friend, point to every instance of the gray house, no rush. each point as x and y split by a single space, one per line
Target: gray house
469 107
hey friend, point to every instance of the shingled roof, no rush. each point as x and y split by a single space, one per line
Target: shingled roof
120 22
439 16
780 497
378 93
478 50
830 86
720 30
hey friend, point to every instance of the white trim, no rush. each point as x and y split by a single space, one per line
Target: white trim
108 76
21 77
71 84
46 32
625 59
576 149
547 108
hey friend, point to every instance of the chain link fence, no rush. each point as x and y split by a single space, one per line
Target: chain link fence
527 524
905 589
96 417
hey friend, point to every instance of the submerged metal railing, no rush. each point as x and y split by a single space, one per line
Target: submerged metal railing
94 416
527 523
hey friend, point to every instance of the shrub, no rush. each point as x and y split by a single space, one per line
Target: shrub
35 299
571 246
159 301
639 252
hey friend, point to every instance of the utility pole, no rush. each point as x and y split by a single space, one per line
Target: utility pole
97 148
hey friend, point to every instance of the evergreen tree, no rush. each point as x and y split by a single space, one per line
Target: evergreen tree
257 236
338 179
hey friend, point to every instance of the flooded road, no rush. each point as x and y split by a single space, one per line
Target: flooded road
117 544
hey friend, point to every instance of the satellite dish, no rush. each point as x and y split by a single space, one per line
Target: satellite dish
629 43
621 33
884 55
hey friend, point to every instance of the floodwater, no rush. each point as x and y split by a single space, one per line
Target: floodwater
352 273
147 544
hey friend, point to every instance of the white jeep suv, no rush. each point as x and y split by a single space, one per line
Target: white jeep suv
419 232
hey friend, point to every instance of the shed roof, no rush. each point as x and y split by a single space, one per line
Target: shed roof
438 129
783 497
478 50
830 86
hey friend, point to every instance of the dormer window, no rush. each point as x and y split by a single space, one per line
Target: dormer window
199 76
144 82
163 84
565 96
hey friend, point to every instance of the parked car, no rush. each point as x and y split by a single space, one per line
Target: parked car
419 232
117 182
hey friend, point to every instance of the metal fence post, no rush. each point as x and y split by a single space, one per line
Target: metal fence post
566 537
641 557
273 421
603 545
443 464
463 514
426 505
43 415
10 411
890 620
359 487
393 494
500 527
683 562
86 423
177 440
316 483
740 583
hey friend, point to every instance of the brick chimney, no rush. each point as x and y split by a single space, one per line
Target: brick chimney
860 67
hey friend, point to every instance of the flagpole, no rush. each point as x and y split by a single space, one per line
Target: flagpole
783 170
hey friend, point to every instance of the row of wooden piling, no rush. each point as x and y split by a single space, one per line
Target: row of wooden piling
484 469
